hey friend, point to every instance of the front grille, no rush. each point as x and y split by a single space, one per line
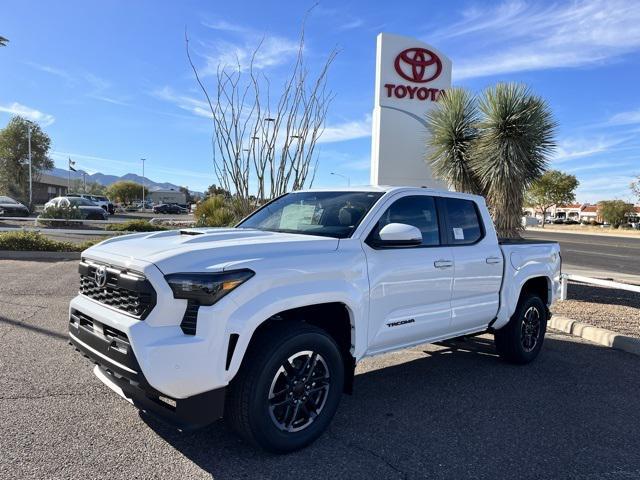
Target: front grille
111 345
126 291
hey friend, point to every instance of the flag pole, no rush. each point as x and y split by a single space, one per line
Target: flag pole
30 177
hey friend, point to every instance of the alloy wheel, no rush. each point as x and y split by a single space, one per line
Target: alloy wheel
530 329
299 391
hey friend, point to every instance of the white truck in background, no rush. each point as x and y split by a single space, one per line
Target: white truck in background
264 323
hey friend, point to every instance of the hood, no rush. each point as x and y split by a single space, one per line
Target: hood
208 249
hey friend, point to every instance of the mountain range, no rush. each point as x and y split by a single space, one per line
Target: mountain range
107 180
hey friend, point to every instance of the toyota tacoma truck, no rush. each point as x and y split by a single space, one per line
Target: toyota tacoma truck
265 322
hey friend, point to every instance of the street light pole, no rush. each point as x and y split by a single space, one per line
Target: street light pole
143 160
343 176
30 178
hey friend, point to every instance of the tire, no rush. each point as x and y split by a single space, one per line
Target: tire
270 423
520 340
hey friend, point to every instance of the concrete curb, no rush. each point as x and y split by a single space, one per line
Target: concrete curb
603 337
34 255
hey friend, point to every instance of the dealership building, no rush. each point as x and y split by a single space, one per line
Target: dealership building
46 187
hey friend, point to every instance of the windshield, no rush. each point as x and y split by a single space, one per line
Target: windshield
7 200
330 214
79 201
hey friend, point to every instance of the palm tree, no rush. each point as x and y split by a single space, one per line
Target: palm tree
497 148
516 138
453 130
3 41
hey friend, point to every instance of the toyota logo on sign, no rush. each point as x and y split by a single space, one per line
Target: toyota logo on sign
418 65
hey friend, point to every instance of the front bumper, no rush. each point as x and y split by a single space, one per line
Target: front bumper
118 367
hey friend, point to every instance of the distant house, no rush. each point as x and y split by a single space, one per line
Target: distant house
48 187
634 215
580 212
569 212
167 196
589 213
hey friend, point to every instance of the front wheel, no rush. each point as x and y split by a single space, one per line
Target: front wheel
288 388
520 340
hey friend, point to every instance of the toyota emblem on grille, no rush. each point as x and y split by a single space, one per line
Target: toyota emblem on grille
100 276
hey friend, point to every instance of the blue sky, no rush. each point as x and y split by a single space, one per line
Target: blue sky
110 81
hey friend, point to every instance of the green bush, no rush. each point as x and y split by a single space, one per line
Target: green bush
220 211
135 226
37 242
67 213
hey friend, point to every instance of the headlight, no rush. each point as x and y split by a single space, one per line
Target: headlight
206 288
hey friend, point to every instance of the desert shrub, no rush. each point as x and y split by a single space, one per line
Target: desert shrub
219 211
135 226
37 242
68 214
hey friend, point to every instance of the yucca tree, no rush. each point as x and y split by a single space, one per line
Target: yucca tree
510 135
453 129
515 140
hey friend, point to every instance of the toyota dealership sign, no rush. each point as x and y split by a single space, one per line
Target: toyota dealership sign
410 77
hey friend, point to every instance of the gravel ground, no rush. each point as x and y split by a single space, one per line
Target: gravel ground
616 310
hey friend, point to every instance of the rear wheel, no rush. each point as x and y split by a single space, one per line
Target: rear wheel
288 388
520 340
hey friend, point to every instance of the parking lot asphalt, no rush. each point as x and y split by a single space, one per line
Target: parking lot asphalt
433 411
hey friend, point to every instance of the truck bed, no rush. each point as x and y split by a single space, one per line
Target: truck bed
522 241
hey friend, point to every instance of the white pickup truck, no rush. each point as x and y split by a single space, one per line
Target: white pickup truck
265 322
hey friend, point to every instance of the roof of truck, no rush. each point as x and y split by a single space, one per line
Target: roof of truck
390 188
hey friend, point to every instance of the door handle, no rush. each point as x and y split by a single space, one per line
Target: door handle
443 264
493 260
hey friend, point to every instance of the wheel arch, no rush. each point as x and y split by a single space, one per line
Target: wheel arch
540 285
335 318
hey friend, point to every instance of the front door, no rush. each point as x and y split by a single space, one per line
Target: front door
410 299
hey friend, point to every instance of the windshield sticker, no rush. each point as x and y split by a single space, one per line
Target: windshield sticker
295 216
458 234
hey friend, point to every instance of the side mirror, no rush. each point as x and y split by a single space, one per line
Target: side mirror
399 235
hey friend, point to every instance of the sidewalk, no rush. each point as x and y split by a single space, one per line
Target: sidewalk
601 274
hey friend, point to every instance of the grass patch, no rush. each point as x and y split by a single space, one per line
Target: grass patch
135 226
37 242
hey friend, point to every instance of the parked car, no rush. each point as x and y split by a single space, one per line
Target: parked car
266 321
12 208
558 221
88 210
571 222
99 200
169 208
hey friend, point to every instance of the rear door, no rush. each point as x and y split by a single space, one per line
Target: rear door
478 265
410 287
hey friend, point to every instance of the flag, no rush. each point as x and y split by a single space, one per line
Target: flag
71 164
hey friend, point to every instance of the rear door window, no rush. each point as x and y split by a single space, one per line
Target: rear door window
464 225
